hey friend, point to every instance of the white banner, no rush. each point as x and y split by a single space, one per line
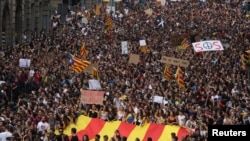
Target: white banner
210 45
94 84
124 45
142 43
24 63
159 99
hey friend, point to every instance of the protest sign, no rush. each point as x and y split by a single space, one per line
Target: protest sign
149 11
94 84
92 97
134 59
124 46
209 45
24 63
174 61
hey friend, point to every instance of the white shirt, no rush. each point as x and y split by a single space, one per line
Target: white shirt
136 110
5 135
181 119
31 73
42 126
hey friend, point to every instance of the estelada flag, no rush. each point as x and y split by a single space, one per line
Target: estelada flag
77 64
94 126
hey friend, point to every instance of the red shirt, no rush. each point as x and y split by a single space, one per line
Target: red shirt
24 77
37 76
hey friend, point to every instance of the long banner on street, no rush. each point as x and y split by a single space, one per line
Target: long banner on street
91 127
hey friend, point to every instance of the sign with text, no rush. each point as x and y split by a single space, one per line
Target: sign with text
159 99
134 59
24 63
210 45
92 97
149 11
142 42
124 45
94 84
174 61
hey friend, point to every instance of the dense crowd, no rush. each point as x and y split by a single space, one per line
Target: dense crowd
44 97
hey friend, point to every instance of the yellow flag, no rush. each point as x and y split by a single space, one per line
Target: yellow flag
98 9
144 49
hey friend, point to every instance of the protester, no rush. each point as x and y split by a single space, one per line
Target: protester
74 136
37 100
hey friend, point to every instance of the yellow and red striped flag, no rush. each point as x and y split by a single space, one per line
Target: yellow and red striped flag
167 73
97 9
93 126
83 51
179 77
77 64
184 43
95 73
109 22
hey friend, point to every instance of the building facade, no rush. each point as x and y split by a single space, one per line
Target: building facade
18 16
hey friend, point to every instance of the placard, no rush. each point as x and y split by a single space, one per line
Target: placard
94 84
85 20
210 45
175 61
110 8
159 99
134 59
149 11
124 46
92 97
142 43
24 63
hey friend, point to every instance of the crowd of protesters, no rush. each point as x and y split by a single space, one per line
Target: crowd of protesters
37 100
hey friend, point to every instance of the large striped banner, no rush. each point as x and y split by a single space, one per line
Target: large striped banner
92 126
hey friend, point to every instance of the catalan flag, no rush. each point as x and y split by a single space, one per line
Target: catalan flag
179 77
83 51
109 22
77 64
167 73
184 44
93 126
95 73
